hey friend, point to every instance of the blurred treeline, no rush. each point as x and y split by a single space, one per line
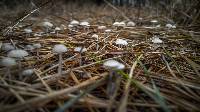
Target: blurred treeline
186 11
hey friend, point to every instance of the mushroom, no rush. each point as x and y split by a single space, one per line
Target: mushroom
131 24
107 31
157 40
47 25
101 28
57 29
7 47
8 63
74 22
85 24
19 55
97 40
29 48
154 22
113 66
59 49
80 50
28 72
37 46
121 42
28 32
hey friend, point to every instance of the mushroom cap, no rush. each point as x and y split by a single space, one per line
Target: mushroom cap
121 42
169 25
59 48
27 72
130 23
113 64
74 22
95 36
174 26
57 29
70 26
17 53
8 62
157 40
80 49
7 47
154 21
85 23
37 45
116 24
47 24
122 24
101 27
28 30
29 47
108 30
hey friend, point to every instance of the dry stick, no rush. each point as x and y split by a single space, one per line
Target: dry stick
13 91
26 16
51 96
124 99
117 10
46 85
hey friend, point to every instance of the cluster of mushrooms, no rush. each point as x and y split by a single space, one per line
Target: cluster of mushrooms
15 56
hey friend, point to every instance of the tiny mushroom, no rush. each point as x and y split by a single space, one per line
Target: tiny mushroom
101 28
154 22
85 24
157 40
130 24
7 47
74 23
29 48
37 46
19 55
47 25
28 72
28 31
112 66
60 49
8 63
121 42
97 40
80 50
57 29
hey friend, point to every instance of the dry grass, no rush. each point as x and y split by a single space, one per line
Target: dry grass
163 78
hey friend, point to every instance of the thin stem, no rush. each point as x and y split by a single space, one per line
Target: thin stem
20 69
60 64
8 73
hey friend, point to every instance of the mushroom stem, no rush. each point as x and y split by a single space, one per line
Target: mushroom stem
20 69
111 83
60 64
8 73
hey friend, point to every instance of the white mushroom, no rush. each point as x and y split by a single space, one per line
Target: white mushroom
60 49
97 40
19 55
131 24
121 42
29 48
116 24
57 29
47 25
28 31
85 24
154 22
157 40
101 28
7 47
37 46
28 72
80 50
74 22
8 63
112 66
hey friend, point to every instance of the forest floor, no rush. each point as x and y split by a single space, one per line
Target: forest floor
157 76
